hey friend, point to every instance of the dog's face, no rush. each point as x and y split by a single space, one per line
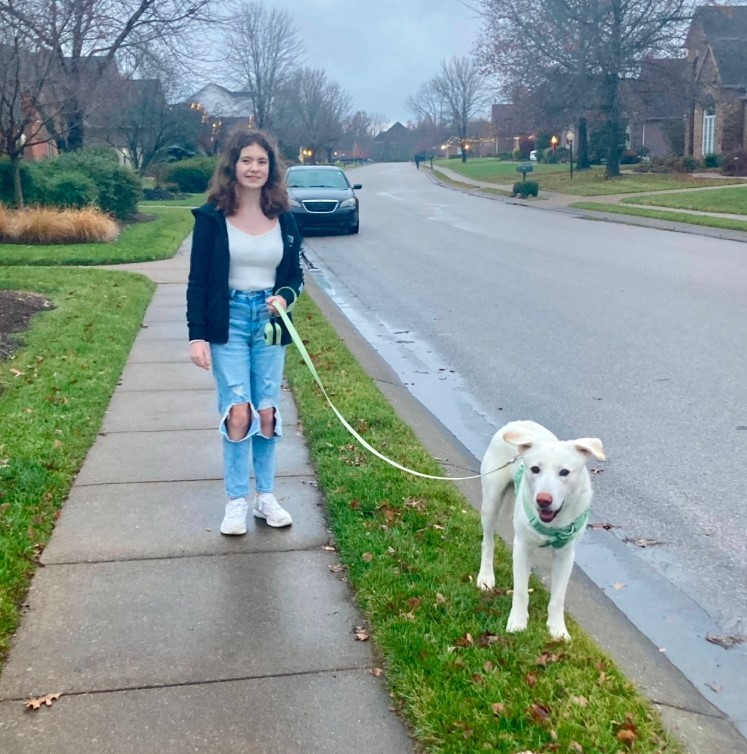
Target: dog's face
554 470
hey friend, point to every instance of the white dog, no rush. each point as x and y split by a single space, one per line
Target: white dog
553 494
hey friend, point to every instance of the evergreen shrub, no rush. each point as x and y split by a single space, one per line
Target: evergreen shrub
191 176
525 189
70 190
735 164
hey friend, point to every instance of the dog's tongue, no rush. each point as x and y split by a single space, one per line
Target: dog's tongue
546 516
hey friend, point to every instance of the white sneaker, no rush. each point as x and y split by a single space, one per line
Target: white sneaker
268 508
234 522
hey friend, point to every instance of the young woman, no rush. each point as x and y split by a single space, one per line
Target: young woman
245 265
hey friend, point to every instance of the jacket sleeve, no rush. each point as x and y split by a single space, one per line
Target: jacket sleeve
198 284
289 283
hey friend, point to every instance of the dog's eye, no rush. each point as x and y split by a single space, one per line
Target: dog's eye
535 469
564 472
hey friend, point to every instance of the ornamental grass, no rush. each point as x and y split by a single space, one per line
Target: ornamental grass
47 225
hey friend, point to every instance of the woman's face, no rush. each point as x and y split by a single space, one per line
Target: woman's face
253 167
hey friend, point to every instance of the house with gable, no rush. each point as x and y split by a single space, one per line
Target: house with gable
717 55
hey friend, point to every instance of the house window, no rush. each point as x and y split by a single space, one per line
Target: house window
709 128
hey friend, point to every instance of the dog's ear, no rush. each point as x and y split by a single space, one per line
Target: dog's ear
590 446
521 440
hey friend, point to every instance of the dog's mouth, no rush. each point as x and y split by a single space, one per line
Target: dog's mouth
547 516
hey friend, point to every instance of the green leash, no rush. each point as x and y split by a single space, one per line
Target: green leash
559 536
310 364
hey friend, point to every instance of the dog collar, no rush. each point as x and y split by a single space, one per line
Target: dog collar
558 537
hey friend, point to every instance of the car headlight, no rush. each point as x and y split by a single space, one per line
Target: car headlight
348 203
294 202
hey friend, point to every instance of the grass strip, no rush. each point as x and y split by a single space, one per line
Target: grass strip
467 186
138 242
191 200
732 201
676 217
53 395
411 550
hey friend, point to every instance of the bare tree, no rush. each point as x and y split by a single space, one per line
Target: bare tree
24 81
264 50
318 109
84 37
427 104
461 86
588 45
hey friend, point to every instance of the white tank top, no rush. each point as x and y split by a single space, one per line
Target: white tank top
253 258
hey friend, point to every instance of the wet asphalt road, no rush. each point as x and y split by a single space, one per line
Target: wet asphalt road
491 311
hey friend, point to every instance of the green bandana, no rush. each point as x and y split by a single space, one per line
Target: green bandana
558 536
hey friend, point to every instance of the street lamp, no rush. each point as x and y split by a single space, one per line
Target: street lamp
569 139
554 142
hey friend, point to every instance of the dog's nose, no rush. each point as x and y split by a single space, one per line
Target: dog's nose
544 499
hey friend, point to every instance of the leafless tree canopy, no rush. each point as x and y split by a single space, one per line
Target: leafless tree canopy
264 50
584 46
84 37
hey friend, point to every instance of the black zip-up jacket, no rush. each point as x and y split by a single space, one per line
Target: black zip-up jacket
207 289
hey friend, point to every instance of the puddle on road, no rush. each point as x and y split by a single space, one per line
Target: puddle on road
673 622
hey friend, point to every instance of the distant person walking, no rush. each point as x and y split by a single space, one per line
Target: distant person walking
417 161
245 265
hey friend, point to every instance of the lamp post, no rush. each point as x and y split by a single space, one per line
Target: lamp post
569 139
554 142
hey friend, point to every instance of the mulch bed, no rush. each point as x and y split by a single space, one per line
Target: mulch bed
16 310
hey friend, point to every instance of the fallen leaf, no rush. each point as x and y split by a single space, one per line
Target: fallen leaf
367 556
328 548
539 713
465 641
17 373
576 746
361 633
376 671
488 667
487 639
715 686
414 602
498 709
619 585
582 701
38 701
531 680
643 541
626 737
547 658
440 599
478 679
606 526
336 568
726 641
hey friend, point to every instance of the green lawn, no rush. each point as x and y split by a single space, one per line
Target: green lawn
733 201
53 395
677 217
138 242
590 182
411 549
192 200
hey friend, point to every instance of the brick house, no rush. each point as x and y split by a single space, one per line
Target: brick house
717 55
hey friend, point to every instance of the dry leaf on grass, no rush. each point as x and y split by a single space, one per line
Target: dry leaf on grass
498 709
539 713
37 701
361 633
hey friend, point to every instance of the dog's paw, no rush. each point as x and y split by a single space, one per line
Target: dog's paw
516 622
558 631
486 581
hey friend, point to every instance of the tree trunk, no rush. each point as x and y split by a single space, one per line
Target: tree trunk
73 117
582 156
613 125
15 163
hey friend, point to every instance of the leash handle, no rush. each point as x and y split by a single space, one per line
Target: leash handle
310 364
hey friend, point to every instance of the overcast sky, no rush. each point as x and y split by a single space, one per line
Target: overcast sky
381 51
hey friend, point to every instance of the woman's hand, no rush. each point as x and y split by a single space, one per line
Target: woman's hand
199 353
274 302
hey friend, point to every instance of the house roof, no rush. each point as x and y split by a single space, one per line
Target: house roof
661 90
724 30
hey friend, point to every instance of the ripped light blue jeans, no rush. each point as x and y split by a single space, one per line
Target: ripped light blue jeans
247 370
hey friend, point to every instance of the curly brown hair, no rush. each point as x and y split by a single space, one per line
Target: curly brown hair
222 189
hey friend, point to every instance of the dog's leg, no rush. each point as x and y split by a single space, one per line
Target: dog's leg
562 565
489 517
517 619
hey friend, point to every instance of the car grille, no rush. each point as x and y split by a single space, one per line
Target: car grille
320 205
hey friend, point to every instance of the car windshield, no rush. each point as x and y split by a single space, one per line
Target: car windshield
317 179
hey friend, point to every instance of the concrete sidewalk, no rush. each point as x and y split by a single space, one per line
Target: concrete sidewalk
165 636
